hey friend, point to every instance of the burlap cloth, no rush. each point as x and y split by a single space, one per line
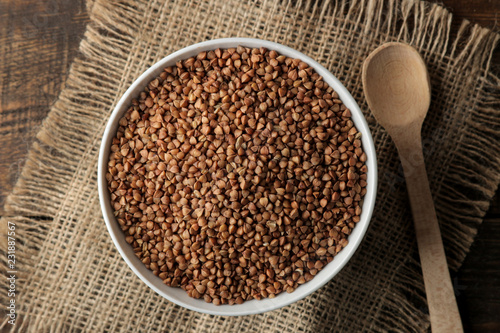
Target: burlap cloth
73 279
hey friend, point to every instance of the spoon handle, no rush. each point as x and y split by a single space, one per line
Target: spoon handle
443 309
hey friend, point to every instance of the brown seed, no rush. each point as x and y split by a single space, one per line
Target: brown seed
323 202
315 160
274 260
218 130
321 251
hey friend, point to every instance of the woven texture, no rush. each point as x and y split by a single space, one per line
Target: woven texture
72 277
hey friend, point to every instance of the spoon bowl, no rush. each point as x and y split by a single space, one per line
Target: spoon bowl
396 83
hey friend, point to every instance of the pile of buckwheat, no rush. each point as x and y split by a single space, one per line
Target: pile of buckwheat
237 174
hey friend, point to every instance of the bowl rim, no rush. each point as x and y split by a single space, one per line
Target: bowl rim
256 306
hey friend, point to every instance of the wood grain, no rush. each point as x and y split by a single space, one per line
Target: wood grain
483 12
38 41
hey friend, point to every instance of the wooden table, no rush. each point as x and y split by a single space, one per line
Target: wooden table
39 39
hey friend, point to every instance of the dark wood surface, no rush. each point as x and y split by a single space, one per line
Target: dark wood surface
39 39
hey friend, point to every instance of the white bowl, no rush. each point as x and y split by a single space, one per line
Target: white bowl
178 295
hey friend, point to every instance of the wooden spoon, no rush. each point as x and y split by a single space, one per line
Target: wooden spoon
397 89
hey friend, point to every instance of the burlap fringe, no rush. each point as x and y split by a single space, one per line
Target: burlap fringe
46 189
